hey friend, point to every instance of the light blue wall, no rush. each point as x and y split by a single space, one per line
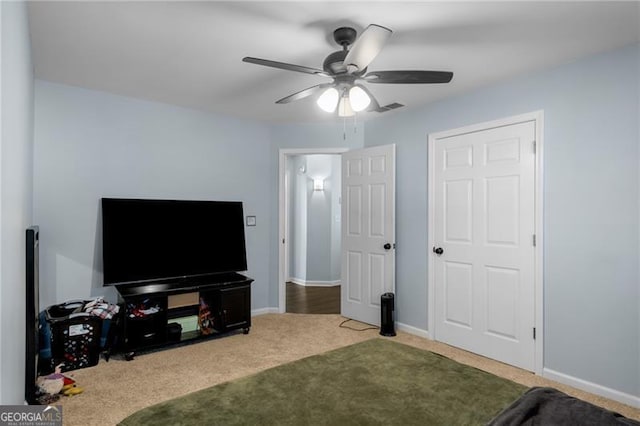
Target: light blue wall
91 144
16 193
318 222
591 213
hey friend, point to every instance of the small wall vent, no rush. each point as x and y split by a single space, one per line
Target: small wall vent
389 107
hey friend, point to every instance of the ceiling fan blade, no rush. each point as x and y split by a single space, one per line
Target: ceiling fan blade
285 66
303 93
408 77
366 48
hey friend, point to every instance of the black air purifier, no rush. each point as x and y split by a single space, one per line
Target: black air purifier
387 325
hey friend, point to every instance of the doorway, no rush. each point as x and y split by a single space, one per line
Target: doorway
310 229
314 233
485 239
368 232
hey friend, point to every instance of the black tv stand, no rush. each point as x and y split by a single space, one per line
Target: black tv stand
172 312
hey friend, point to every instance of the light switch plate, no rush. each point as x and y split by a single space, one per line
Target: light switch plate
251 221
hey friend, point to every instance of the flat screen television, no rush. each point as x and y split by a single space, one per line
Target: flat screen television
159 240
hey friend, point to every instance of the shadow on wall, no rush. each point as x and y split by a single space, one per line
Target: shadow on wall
97 274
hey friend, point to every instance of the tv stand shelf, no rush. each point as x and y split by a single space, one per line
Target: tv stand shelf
167 313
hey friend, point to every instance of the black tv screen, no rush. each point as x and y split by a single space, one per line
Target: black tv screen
154 240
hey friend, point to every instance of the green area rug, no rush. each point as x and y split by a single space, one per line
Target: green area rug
376 382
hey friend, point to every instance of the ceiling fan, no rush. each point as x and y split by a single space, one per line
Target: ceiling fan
348 69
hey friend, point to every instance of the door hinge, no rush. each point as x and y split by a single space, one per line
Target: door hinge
534 333
283 241
534 240
534 147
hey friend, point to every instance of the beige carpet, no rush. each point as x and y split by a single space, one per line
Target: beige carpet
116 389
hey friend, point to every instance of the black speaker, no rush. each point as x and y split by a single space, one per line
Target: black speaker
387 324
32 311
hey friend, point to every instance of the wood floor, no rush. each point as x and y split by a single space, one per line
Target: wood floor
312 300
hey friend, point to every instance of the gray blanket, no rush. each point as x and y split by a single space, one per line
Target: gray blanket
550 407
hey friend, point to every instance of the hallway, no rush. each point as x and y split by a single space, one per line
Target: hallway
313 300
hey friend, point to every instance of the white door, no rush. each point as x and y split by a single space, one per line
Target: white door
484 227
368 231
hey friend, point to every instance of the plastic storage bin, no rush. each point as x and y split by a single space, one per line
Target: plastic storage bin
75 336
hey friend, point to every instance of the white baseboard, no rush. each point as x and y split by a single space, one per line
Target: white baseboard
413 330
306 283
594 388
263 311
625 398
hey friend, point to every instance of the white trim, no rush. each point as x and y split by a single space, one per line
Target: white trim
306 283
282 242
591 387
413 330
431 226
539 251
538 118
263 311
501 122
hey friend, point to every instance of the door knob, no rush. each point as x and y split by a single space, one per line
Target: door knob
438 250
387 246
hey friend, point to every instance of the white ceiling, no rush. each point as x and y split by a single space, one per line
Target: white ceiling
189 53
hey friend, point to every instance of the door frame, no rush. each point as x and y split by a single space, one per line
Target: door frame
538 118
283 237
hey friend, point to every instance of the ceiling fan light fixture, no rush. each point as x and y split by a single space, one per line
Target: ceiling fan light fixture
344 107
359 99
328 100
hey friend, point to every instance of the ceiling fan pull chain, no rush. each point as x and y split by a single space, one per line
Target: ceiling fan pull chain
344 129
